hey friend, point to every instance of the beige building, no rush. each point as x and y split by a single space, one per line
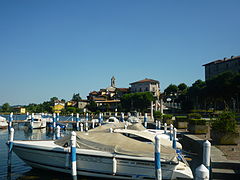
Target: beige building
146 85
222 65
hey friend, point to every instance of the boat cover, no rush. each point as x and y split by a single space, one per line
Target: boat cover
101 139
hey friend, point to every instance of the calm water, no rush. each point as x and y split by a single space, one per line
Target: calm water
11 167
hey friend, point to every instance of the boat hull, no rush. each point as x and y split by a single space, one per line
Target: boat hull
90 162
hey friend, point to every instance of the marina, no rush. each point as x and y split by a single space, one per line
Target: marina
44 134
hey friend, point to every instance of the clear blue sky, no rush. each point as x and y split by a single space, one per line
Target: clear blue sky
60 47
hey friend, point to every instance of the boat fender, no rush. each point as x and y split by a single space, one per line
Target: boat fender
114 165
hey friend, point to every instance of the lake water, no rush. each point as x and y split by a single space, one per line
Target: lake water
15 168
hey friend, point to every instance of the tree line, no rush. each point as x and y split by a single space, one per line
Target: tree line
219 93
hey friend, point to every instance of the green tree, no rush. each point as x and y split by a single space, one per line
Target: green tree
6 107
92 106
171 90
182 87
137 101
76 97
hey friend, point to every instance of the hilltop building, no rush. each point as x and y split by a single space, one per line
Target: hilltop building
108 97
217 67
146 85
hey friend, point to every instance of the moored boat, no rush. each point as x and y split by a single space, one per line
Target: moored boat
3 123
103 154
36 121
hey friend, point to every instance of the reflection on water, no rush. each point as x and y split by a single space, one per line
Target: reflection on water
13 168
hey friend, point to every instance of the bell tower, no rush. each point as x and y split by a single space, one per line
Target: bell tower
113 83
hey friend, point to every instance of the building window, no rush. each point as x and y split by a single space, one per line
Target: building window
146 89
153 88
140 89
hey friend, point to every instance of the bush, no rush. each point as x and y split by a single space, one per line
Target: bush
181 118
167 116
194 116
157 114
225 122
197 121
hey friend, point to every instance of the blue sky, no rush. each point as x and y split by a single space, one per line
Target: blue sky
60 47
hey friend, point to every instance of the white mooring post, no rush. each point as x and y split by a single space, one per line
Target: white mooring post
73 155
86 126
10 120
159 124
77 122
102 118
158 170
10 140
57 119
206 154
32 120
54 120
152 110
165 128
58 132
171 132
122 117
111 130
201 173
174 142
93 123
145 120
72 116
27 115
81 127
156 124
99 119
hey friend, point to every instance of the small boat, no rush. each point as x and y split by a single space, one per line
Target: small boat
37 122
103 154
112 120
133 119
3 123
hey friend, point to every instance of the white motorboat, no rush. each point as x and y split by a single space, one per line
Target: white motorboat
37 122
103 154
3 123
112 120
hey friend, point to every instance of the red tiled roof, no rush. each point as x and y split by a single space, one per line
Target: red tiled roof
94 92
123 89
223 60
145 80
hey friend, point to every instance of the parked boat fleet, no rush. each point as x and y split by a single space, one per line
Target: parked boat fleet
116 150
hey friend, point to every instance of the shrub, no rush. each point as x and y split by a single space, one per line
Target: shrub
157 115
194 116
197 121
225 122
167 116
181 118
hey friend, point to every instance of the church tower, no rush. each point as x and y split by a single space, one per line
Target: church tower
113 83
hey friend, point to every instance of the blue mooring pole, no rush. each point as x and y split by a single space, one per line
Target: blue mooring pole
174 142
10 140
171 132
54 121
10 121
145 120
74 155
77 122
158 170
